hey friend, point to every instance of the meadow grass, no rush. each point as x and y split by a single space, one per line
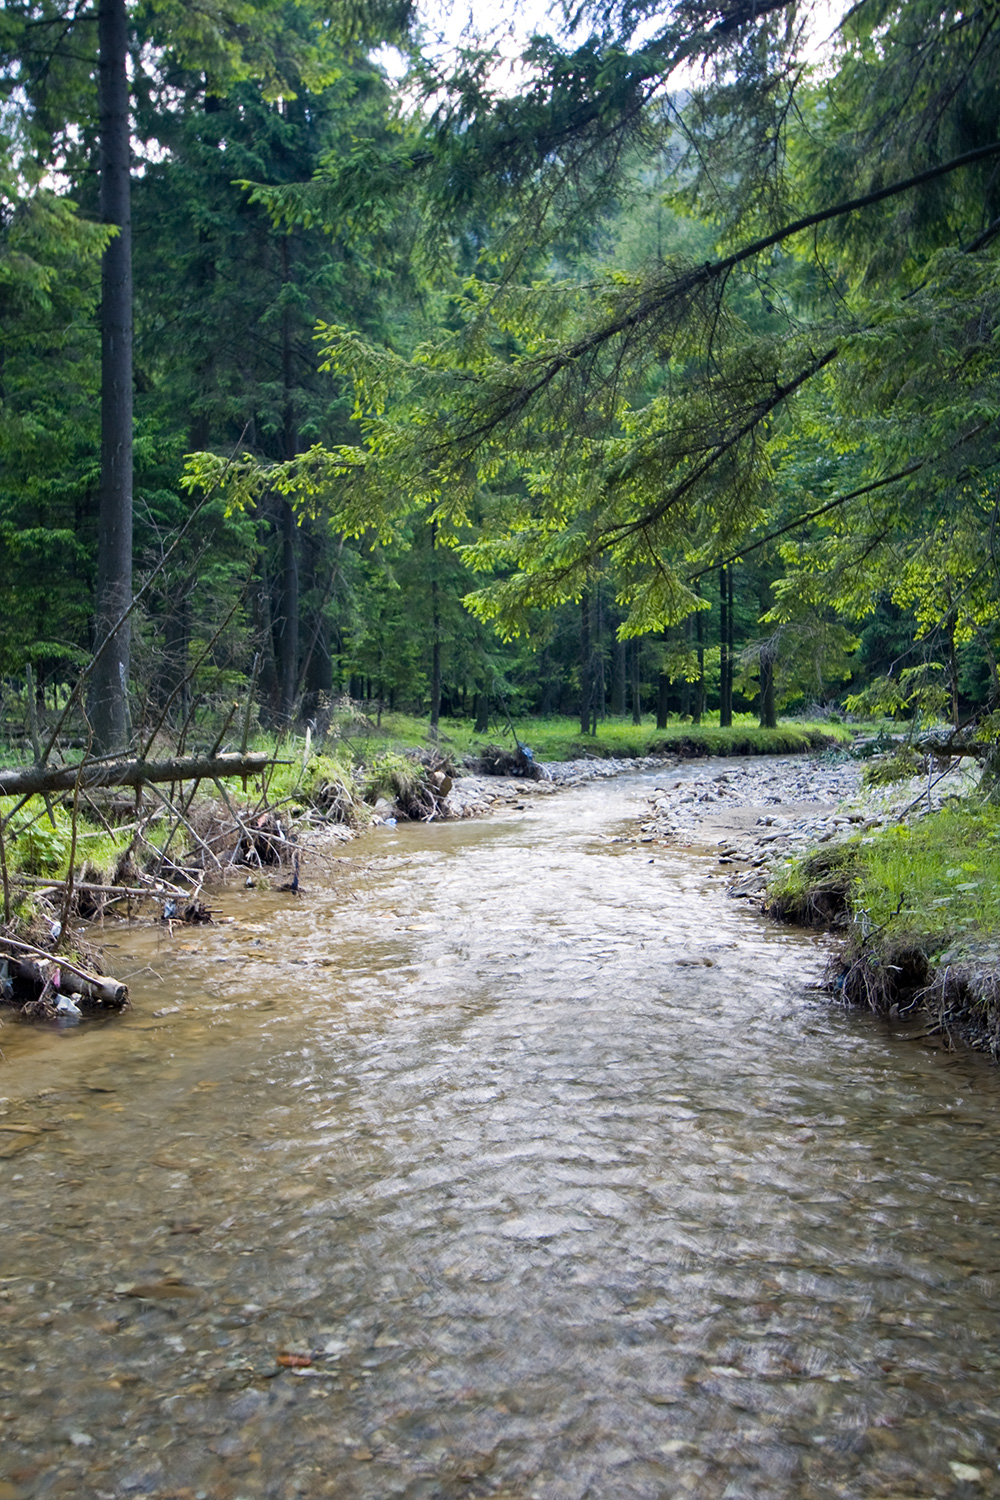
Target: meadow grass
935 881
559 738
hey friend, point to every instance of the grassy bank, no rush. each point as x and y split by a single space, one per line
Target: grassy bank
559 738
919 906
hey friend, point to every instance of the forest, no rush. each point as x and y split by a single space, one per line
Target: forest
642 365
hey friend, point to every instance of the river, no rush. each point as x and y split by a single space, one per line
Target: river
510 1159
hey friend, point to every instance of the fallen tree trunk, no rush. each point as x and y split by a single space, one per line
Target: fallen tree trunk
940 745
38 966
26 781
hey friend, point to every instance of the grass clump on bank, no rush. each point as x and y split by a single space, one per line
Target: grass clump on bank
920 907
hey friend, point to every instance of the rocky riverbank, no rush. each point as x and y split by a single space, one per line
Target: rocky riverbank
478 796
754 815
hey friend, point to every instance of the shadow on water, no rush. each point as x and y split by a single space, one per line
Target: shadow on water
508 1161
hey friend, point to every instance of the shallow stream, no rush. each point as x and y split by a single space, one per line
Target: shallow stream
509 1159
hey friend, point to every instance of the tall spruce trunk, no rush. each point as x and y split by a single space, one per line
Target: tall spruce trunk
288 661
768 714
435 636
109 679
725 666
662 698
636 682
289 641
699 697
617 676
585 663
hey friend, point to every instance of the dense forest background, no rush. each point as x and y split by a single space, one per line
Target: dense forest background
656 374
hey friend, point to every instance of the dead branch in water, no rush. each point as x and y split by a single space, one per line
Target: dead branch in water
76 980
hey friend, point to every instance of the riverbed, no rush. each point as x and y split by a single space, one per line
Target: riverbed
511 1159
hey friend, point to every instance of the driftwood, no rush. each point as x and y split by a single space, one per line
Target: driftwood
940 745
27 781
495 761
49 886
38 967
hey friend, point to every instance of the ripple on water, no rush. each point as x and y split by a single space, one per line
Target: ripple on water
542 1155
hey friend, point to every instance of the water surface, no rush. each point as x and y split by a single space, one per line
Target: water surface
545 1155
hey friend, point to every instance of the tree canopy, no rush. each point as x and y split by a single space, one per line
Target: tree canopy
706 287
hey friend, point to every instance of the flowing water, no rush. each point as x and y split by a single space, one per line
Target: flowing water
543 1153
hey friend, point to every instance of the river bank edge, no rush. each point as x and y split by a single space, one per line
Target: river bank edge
779 828
799 840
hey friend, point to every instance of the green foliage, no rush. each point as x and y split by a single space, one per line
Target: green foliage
889 770
917 693
39 841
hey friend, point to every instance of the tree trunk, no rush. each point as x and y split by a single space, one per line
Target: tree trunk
617 676
267 677
585 663
109 679
482 706
289 639
636 683
662 698
27 780
731 643
435 637
767 714
288 626
699 697
952 669
725 704
598 689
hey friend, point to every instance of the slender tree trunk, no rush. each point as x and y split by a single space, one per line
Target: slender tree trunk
435 636
953 670
686 687
598 689
264 627
289 636
288 627
767 714
699 697
585 663
662 698
725 702
731 642
636 683
482 707
109 681
617 676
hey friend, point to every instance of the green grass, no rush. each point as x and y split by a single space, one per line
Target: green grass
935 881
939 876
559 738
